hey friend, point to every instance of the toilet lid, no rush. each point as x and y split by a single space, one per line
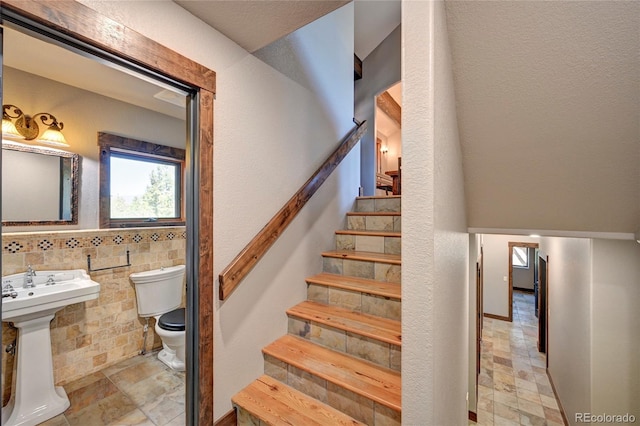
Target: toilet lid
172 321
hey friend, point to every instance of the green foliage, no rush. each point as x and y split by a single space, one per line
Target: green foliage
158 200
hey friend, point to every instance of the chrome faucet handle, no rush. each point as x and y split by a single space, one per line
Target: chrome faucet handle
50 280
8 290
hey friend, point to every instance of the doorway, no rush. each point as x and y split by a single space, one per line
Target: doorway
388 114
522 259
61 22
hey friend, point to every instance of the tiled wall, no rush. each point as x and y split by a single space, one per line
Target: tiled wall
89 336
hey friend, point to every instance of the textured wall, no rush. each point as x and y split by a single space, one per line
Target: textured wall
435 262
89 336
615 365
270 135
569 293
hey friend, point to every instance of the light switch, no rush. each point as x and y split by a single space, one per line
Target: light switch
504 278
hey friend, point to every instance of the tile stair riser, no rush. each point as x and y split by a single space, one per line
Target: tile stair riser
384 307
355 345
356 406
362 269
377 205
374 223
376 244
381 353
244 418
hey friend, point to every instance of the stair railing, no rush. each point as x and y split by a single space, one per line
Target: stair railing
240 266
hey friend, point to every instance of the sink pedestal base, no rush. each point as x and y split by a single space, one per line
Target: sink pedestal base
35 398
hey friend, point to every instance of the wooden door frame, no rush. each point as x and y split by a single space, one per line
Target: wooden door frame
76 23
545 313
513 244
479 315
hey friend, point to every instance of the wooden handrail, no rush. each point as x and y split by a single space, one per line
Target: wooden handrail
239 267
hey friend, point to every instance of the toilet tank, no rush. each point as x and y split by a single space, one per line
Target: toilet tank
159 291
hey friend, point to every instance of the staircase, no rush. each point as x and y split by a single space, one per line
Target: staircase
339 364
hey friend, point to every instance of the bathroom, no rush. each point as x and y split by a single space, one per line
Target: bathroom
89 337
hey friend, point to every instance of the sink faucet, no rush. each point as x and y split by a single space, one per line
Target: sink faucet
28 277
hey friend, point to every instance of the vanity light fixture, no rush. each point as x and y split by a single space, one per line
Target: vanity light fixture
25 127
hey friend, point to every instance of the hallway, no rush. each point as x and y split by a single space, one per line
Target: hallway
513 385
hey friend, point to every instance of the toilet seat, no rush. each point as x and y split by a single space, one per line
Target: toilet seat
173 320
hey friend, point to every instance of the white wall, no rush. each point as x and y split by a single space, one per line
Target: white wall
496 268
380 70
435 263
270 135
569 295
615 328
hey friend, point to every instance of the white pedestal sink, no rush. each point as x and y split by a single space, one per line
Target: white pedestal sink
35 398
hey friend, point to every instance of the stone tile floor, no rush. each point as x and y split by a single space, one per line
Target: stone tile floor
138 391
513 385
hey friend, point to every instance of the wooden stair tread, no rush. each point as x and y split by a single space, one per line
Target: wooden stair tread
379 384
363 285
378 328
275 403
377 197
374 214
369 256
369 233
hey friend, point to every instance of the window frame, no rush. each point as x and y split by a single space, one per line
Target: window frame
122 146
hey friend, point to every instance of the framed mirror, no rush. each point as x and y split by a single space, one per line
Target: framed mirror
39 185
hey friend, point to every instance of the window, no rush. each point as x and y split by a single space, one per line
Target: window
520 257
141 183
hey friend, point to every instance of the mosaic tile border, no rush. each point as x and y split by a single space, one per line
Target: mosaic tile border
34 242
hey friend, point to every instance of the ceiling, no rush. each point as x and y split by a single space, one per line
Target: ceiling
62 65
271 20
254 24
548 105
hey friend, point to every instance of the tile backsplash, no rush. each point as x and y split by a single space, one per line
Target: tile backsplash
89 336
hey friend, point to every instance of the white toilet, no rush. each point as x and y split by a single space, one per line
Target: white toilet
159 294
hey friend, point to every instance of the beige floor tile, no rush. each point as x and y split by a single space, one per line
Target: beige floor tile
526 384
485 418
514 387
501 421
531 407
553 414
139 391
549 401
528 395
506 412
510 399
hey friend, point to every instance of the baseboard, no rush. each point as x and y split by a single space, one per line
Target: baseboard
553 387
498 317
229 419
524 290
473 416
